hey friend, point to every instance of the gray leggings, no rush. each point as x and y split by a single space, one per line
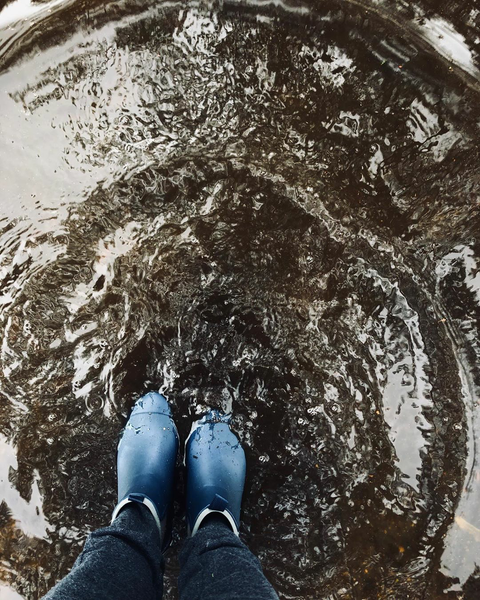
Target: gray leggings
124 562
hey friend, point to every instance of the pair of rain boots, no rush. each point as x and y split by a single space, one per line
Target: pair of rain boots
146 459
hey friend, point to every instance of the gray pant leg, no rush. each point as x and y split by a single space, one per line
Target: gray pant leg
119 562
216 565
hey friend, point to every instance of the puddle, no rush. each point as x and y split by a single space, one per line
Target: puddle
259 207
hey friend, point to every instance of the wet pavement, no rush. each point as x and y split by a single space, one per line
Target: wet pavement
270 208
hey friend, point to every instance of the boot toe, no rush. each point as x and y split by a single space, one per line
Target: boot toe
152 402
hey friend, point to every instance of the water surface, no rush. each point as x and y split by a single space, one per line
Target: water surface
264 207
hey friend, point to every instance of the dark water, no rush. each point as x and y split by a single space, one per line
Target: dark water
266 208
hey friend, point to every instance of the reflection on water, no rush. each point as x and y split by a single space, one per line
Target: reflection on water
262 207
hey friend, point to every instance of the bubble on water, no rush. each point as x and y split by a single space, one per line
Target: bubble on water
94 403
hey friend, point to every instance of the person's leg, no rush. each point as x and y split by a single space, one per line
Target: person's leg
124 560
121 562
216 565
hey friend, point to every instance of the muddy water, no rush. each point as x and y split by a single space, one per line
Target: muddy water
265 208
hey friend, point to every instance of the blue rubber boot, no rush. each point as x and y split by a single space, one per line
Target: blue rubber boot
146 458
216 469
